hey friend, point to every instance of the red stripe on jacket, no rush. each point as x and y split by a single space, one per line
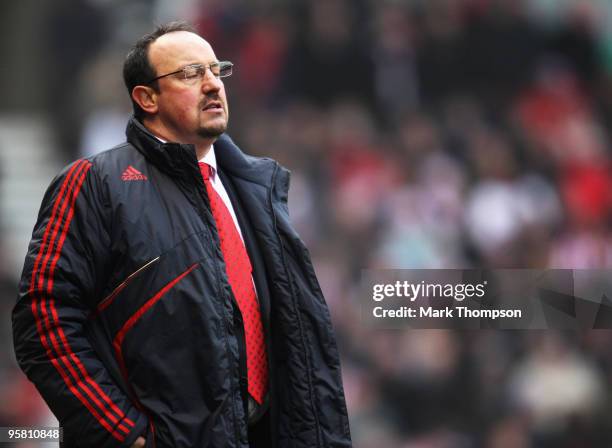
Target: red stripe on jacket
81 168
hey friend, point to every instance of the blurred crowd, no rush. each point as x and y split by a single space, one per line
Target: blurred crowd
420 134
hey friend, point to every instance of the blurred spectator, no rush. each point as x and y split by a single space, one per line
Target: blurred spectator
394 58
555 386
328 57
75 31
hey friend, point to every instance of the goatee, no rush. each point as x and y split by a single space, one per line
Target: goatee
212 131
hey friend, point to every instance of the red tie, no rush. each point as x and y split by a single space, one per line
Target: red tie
239 274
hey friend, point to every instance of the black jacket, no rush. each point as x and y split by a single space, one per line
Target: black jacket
126 322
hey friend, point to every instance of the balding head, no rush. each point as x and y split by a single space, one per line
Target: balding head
137 69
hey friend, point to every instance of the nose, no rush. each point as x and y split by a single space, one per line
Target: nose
210 83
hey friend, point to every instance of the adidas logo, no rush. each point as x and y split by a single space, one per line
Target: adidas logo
132 173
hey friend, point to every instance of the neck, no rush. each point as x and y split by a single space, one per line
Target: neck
201 151
202 146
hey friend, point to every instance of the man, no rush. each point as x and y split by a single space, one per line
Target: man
166 301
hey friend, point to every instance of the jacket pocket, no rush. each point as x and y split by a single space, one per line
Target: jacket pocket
134 318
106 302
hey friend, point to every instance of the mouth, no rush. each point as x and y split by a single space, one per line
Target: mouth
213 106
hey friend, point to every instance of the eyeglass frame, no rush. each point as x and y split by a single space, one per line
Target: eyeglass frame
205 66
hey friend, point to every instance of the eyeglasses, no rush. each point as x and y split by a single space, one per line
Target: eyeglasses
194 72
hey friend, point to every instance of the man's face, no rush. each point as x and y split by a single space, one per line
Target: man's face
188 111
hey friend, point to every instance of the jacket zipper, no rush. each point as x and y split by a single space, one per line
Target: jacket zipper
208 211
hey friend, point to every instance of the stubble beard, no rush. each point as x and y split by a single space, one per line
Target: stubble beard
212 130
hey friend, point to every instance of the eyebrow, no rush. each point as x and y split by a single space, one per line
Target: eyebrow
200 63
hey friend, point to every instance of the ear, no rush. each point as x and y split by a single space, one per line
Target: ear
146 98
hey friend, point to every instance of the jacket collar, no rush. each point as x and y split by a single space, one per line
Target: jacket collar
178 159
